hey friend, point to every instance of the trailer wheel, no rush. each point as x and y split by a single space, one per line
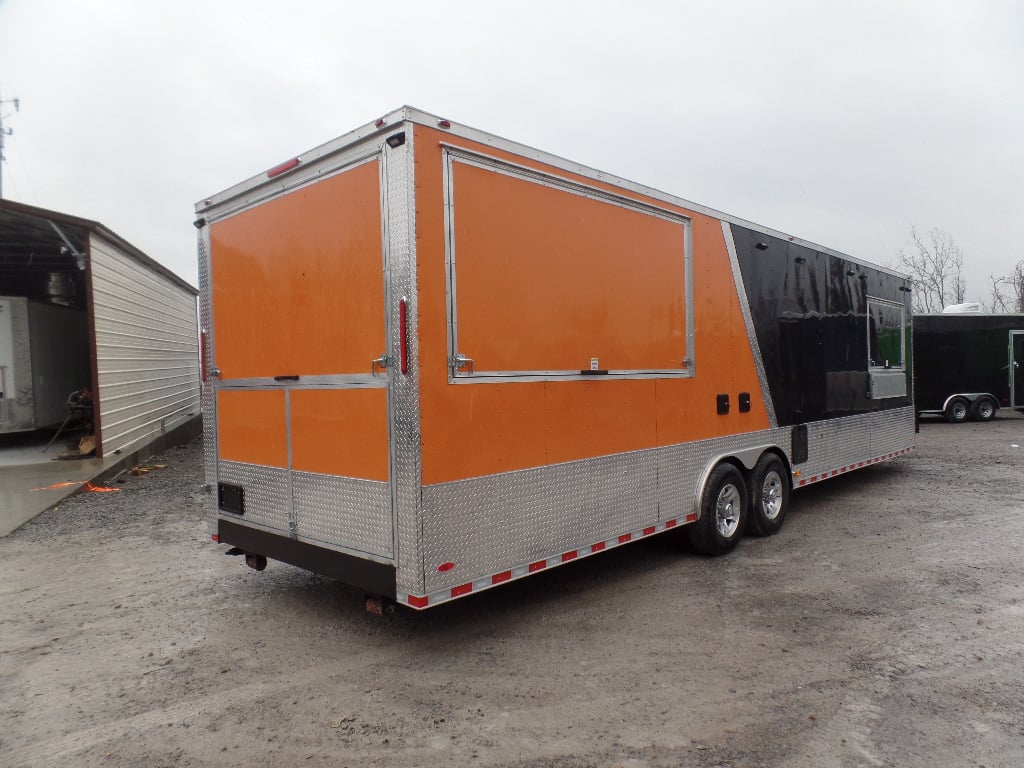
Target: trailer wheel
769 496
957 411
723 512
984 409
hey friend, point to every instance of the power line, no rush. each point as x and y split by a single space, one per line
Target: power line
4 132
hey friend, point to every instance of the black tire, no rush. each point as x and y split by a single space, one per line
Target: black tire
984 409
723 512
958 411
769 496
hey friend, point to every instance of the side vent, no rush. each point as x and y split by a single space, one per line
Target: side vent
798 450
231 498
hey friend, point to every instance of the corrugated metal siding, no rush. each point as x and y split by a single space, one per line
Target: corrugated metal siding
147 349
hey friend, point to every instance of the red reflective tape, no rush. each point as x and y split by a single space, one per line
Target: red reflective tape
418 602
671 523
625 537
649 531
692 517
861 464
567 556
277 170
538 566
814 478
462 589
802 482
597 547
835 472
500 577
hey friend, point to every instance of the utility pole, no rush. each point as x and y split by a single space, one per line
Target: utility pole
5 132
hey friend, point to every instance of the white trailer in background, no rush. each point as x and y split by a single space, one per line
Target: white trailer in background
44 357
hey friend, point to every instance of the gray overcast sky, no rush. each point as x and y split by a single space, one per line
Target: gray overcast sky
842 123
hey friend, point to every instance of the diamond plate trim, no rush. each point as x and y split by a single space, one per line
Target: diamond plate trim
404 403
208 396
344 511
266 493
748 321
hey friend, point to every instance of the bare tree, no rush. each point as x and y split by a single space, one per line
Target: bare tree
936 264
1008 291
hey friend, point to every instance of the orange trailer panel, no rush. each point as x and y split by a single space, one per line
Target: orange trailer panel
340 432
549 280
251 427
281 271
476 429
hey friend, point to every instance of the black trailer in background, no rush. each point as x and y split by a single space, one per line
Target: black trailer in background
967 366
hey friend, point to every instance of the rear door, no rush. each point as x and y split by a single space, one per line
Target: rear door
1017 369
299 294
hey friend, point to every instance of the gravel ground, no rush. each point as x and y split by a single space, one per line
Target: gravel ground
881 627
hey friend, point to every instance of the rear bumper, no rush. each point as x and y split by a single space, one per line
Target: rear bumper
376 578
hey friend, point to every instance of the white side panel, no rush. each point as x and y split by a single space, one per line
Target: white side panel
59 341
147 349
17 409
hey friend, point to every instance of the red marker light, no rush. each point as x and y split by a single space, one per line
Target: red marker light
403 334
445 567
279 169
380 123
444 123
215 537
202 356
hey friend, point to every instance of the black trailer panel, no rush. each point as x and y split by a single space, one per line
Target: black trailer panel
965 359
832 332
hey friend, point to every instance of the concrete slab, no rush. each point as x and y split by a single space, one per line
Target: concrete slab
25 469
27 474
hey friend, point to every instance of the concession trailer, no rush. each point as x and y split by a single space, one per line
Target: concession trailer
436 361
968 365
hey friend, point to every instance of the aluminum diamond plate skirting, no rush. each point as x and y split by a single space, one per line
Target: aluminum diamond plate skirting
266 493
343 511
483 525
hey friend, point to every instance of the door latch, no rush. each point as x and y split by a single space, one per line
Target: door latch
460 361
380 364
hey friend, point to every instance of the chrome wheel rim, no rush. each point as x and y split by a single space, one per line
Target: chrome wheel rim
985 410
959 411
727 510
771 495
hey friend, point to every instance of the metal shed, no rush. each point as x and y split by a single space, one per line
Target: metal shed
140 323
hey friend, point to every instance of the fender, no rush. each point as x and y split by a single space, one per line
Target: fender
748 457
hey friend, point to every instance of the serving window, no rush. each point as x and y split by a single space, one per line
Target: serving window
549 279
886 332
